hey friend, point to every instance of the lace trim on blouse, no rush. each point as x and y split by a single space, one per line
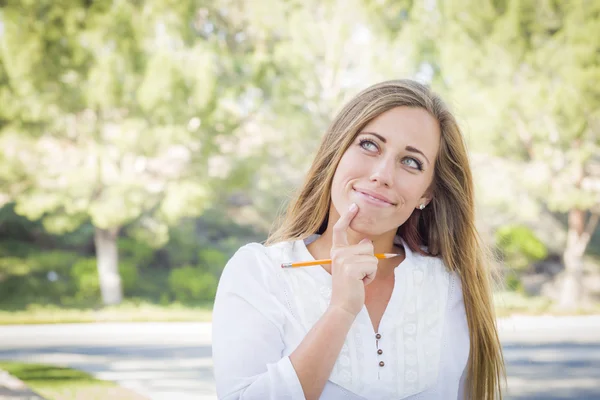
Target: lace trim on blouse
412 334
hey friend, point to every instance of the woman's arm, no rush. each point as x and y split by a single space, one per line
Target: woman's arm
314 358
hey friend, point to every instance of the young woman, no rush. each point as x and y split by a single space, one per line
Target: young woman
390 176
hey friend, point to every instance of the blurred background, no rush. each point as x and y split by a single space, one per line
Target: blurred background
143 142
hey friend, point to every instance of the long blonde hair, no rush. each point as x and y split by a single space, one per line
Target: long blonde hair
446 226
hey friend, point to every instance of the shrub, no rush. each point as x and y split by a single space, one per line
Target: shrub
85 275
40 277
513 283
520 246
182 247
191 284
138 253
212 260
58 261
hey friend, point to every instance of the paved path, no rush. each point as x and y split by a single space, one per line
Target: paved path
12 388
547 358
552 358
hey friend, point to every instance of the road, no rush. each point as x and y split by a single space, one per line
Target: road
547 358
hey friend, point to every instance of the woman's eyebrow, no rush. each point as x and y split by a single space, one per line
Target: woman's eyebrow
408 148
415 150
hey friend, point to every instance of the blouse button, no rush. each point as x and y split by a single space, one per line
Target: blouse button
381 363
379 351
378 336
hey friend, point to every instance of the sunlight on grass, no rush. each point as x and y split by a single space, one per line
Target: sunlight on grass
126 312
510 303
58 383
507 303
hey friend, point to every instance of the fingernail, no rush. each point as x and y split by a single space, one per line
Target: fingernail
352 207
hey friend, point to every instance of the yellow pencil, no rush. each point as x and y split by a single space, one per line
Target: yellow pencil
328 261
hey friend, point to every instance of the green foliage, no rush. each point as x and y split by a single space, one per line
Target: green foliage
129 275
212 260
32 261
513 283
135 252
146 115
41 277
16 248
15 228
85 276
520 246
15 266
182 247
522 102
191 284
58 261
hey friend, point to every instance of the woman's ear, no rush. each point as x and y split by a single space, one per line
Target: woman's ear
423 202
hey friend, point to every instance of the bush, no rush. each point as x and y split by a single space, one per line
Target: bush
58 261
212 260
513 283
16 248
520 246
136 252
40 277
85 278
182 247
190 284
85 275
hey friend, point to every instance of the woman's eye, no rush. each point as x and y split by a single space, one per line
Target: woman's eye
411 162
368 145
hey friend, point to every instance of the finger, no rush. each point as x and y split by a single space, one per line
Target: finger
369 278
362 259
369 275
340 229
365 246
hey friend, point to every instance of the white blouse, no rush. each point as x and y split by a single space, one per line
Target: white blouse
262 312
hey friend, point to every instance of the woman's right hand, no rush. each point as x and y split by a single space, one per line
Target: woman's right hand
352 266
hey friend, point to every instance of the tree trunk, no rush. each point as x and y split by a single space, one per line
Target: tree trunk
577 240
107 257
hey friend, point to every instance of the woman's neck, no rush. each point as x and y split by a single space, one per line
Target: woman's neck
320 249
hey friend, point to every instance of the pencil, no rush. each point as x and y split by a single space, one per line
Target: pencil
328 261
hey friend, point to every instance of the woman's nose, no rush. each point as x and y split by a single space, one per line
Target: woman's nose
383 173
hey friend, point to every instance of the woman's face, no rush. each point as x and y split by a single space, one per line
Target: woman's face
393 159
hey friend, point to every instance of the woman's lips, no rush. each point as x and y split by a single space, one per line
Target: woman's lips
372 200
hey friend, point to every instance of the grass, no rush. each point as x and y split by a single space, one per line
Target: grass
507 303
125 312
58 383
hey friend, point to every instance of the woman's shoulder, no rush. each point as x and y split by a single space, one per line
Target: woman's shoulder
258 257
436 266
429 261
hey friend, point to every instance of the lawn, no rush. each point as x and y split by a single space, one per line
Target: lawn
57 383
125 312
506 303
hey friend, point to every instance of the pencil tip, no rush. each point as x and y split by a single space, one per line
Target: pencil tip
390 255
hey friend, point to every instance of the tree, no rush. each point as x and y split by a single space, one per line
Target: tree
523 72
327 52
117 111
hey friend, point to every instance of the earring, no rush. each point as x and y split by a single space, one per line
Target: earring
422 206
